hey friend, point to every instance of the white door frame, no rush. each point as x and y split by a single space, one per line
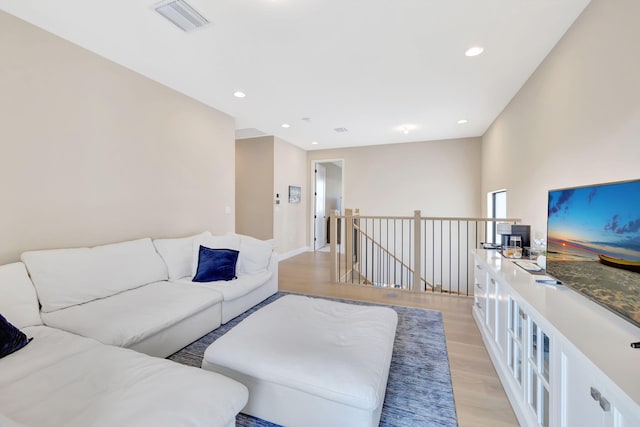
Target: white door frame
313 197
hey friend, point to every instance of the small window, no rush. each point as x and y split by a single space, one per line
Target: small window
496 208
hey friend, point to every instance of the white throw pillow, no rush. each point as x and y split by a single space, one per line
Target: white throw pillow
178 254
18 300
214 242
255 254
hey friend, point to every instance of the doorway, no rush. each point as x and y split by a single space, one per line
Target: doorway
327 190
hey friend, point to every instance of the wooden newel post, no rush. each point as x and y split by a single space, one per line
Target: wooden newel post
333 253
348 244
355 227
417 246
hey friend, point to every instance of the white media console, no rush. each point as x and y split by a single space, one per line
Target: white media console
564 361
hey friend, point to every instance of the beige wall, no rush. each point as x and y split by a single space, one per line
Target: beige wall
254 187
94 153
441 178
290 168
577 120
266 166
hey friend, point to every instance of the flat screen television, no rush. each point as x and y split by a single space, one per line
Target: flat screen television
593 244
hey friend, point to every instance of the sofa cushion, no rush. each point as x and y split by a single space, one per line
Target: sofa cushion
63 380
11 338
212 242
255 254
216 264
67 277
18 300
178 254
128 318
234 289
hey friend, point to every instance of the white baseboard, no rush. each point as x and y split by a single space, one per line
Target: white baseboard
282 257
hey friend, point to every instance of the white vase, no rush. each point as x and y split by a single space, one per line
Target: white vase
542 261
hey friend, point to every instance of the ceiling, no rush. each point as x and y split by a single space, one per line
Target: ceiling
369 66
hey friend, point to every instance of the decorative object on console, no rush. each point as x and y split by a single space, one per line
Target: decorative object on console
538 245
542 261
514 239
593 244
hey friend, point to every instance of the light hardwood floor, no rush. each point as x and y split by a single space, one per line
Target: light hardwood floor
479 396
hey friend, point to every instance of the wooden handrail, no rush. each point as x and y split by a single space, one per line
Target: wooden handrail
434 218
347 258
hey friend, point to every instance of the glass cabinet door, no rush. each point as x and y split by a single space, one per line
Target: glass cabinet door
538 372
517 321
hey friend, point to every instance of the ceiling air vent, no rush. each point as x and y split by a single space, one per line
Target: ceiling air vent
341 130
181 14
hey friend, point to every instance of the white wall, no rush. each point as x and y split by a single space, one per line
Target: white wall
95 153
290 168
267 166
577 120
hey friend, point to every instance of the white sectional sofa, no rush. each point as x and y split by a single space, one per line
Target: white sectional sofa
87 309
140 295
62 379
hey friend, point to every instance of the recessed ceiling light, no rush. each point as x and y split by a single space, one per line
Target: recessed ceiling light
285 125
406 128
462 121
239 94
314 143
474 51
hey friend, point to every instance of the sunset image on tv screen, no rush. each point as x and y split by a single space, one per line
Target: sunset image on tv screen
593 243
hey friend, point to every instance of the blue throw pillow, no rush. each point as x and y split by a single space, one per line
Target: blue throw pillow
11 338
216 264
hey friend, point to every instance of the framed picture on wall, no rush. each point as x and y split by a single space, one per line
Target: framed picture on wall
295 194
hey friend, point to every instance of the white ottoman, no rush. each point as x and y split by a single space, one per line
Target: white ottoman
309 361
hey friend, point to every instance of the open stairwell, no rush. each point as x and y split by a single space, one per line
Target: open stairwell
414 253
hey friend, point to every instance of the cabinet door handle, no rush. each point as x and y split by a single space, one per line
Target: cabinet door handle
478 305
493 282
595 394
604 404
479 286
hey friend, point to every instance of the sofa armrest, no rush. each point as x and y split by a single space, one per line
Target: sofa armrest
273 268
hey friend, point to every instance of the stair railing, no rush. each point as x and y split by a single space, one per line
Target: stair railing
413 252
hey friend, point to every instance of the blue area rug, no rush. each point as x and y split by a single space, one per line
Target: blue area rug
419 391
